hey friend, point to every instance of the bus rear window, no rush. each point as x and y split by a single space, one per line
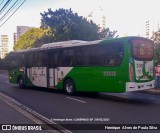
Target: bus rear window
142 49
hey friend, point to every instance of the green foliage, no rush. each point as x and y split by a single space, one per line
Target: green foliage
106 33
62 25
66 25
34 37
156 38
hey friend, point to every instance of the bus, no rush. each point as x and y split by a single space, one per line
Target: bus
114 65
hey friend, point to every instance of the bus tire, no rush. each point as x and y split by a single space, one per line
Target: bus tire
21 82
69 87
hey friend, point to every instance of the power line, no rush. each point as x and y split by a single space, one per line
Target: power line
9 10
5 6
2 2
13 13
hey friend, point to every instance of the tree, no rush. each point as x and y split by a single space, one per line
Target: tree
34 37
156 38
106 33
62 25
66 25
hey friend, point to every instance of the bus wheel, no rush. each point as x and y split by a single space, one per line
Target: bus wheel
21 82
69 87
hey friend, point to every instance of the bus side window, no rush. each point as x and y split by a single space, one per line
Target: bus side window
78 56
86 57
68 57
100 56
29 57
116 54
41 59
53 59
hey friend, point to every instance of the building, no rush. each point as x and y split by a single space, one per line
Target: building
20 31
15 38
150 27
4 42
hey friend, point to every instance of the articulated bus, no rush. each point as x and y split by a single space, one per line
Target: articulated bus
110 65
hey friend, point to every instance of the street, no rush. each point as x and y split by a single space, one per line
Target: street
86 108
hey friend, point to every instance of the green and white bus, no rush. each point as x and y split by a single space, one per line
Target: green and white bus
111 65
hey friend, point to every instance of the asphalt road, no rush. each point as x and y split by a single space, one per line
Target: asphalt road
85 108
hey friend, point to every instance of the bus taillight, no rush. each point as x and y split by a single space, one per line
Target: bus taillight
131 75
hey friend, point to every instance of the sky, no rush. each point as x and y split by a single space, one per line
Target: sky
128 17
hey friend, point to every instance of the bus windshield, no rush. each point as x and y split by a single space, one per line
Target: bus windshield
142 49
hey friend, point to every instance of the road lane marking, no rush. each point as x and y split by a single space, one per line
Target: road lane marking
76 99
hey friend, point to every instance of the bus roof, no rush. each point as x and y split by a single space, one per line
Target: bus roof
71 43
62 44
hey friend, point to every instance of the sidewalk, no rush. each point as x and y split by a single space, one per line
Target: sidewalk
15 119
9 115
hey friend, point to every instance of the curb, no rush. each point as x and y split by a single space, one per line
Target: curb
152 91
